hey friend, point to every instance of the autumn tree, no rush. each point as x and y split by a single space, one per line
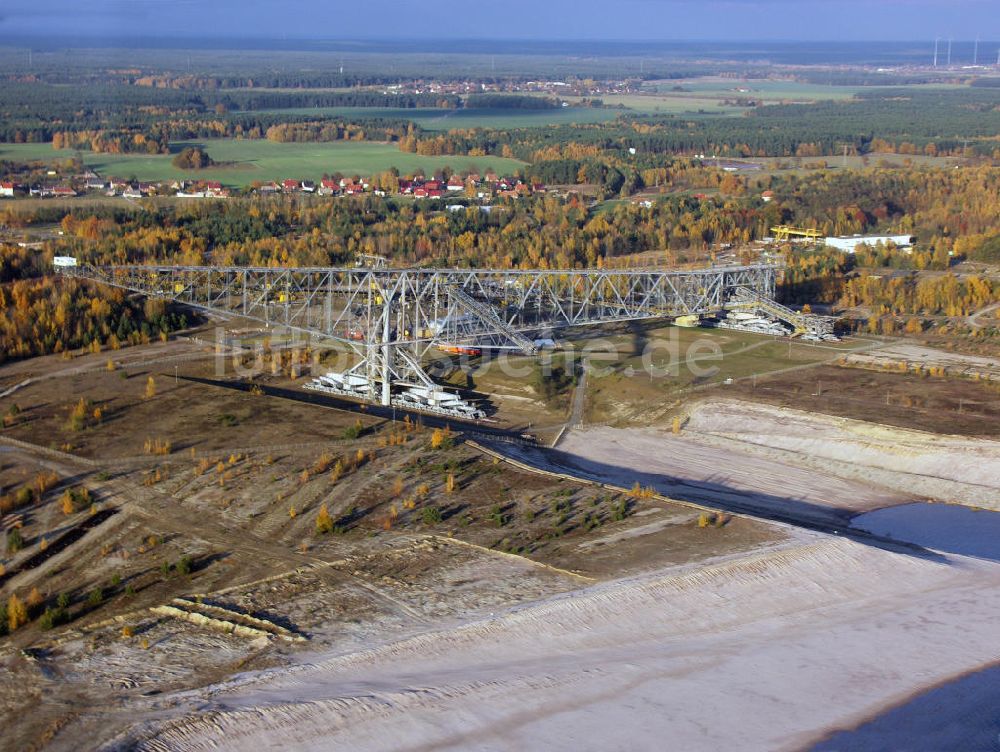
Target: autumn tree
192 158
324 523
17 613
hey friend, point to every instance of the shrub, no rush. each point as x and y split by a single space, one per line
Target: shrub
441 439
77 420
338 472
24 496
15 541
95 597
34 600
53 617
323 463
324 523
75 499
157 446
621 510
17 613
184 566
431 515
497 515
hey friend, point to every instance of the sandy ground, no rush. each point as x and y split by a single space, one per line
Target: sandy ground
757 457
943 468
685 467
768 651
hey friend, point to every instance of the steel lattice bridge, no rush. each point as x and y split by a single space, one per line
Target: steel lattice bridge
391 317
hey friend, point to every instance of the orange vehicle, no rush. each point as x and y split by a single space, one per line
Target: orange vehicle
460 350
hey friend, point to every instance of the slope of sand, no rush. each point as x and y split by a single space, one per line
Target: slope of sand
944 468
769 651
726 475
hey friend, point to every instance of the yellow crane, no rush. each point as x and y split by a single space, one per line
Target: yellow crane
785 232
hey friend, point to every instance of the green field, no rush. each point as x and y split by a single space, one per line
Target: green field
246 161
667 104
762 89
446 119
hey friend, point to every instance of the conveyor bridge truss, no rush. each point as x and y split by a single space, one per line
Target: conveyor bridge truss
392 317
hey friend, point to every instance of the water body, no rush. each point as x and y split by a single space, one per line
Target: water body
963 714
948 528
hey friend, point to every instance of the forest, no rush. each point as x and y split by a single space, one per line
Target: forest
45 315
933 122
951 212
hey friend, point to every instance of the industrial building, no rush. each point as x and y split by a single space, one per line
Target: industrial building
850 243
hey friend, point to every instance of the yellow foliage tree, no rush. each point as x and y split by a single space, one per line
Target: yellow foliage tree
324 523
17 613
68 507
34 599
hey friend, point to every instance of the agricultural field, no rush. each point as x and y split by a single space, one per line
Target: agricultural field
434 119
245 161
763 89
653 103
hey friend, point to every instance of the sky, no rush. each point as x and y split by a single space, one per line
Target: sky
834 20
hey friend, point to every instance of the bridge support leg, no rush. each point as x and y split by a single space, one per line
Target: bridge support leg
386 357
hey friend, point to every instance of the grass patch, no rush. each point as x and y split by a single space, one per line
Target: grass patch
244 161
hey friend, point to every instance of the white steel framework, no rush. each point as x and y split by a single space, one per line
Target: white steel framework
392 317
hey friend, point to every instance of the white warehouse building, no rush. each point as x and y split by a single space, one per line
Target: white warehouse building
850 243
